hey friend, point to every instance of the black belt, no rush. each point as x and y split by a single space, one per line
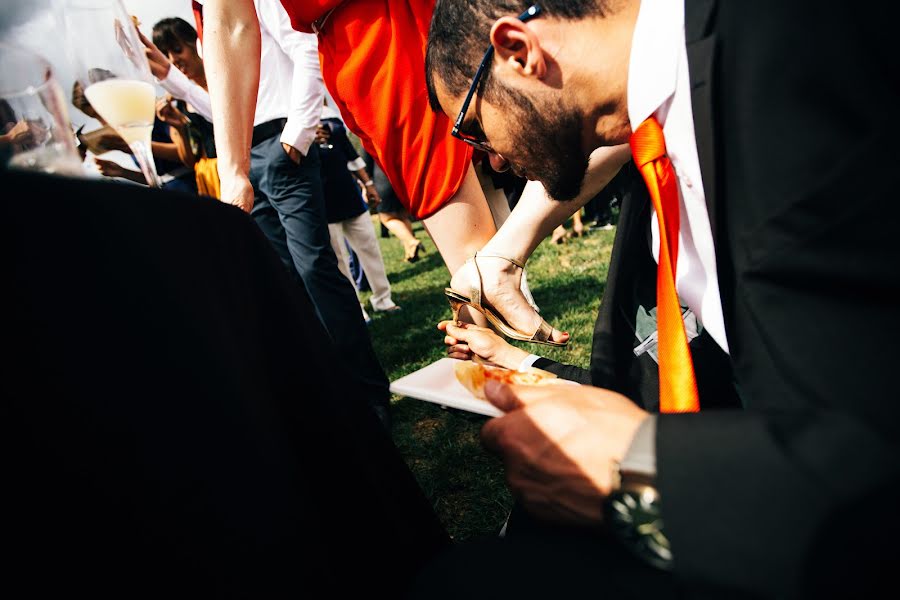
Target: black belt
264 131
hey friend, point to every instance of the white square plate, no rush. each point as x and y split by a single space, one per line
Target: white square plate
437 383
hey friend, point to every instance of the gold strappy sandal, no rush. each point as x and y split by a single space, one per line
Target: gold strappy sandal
474 300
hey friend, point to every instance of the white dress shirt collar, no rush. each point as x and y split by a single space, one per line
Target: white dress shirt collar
653 67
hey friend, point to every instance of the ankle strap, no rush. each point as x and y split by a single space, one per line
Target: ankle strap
489 255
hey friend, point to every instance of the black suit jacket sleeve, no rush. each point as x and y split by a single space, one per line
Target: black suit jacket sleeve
564 371
789 493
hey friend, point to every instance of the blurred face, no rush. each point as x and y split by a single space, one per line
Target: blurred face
539 138
185 58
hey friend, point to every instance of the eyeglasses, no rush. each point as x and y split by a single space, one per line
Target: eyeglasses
484 145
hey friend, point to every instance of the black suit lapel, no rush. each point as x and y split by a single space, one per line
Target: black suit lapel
701 50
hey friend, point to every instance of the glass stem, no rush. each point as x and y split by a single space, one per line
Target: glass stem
144 157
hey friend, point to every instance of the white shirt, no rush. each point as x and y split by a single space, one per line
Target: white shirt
290 81
659 85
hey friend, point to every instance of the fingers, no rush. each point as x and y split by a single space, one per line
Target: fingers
502 396
511 397
463 331
453 330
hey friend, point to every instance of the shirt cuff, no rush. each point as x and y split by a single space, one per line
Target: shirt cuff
641 454
528 362
175 82
298 136
356 165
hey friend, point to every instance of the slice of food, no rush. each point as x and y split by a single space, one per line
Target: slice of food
473 376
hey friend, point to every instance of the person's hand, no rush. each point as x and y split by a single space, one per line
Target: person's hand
170 115
82 144
79 100
159 62
558 444
113 141
22 135
236 190
465 341
110 168
292 153
323 134
372 197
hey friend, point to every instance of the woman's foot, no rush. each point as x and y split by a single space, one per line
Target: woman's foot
411 250
559 235
500 281
577 229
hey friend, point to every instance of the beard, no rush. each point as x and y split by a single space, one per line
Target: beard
549 136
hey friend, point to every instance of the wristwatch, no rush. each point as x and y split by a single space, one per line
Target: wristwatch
632 509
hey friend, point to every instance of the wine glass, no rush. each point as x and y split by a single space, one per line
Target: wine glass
111 66
35 132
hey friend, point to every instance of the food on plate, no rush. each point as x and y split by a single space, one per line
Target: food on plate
474 375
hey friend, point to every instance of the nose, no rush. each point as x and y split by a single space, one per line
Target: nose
498 163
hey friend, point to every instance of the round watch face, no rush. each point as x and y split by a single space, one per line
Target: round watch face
633 513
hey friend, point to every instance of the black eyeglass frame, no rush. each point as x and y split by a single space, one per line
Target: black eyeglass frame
533 11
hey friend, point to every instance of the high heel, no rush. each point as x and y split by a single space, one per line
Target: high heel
497 322
411 251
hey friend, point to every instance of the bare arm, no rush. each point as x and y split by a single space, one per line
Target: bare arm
179 131
536 215
368 185
109 168
165 151
181 139
232 53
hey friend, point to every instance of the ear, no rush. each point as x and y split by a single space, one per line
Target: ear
517 46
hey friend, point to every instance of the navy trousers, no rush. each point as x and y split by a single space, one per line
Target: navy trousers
289 207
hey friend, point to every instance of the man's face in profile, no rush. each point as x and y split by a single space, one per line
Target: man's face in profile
537 137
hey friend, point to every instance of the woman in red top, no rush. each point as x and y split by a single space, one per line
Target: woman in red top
373 63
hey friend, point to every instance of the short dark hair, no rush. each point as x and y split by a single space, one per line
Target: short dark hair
460 31
173 32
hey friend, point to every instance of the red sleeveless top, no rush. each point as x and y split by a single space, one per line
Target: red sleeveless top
372 54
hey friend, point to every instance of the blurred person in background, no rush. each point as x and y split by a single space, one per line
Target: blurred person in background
177 39
392 214
348 214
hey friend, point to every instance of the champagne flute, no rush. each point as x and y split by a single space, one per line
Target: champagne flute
35 133
111 66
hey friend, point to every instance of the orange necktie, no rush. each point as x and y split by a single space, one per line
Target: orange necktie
677 385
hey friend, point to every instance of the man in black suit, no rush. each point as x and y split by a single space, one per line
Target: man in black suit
785 254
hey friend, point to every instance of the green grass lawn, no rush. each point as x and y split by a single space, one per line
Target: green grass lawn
464 482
